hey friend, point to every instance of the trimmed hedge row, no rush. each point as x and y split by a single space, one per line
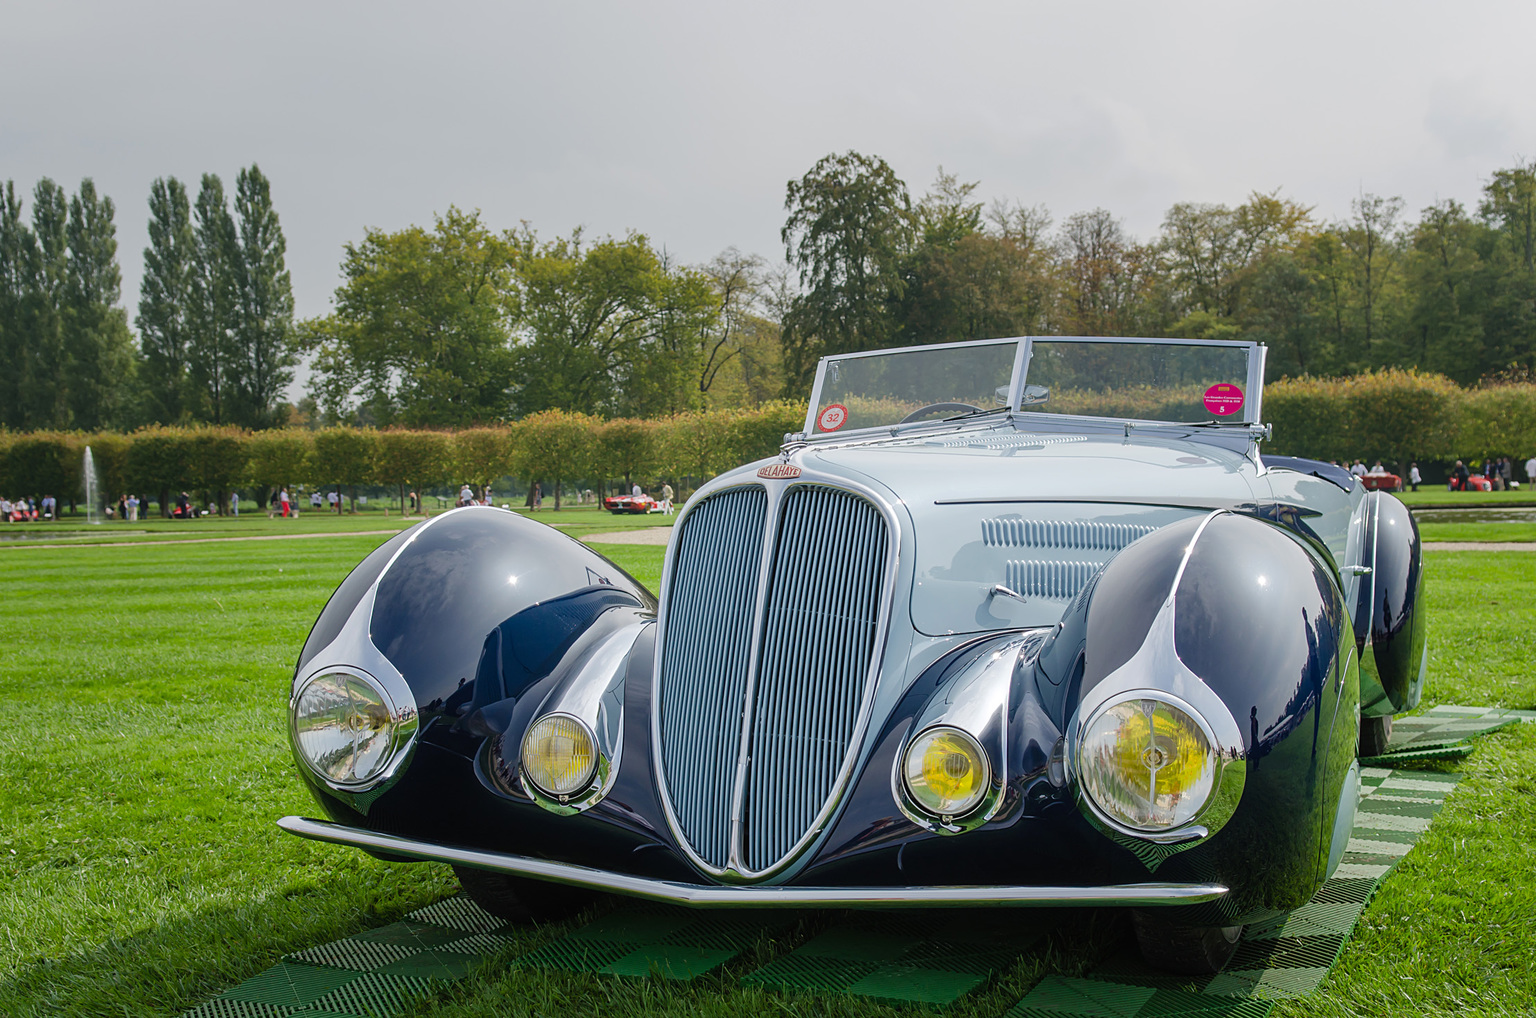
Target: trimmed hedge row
1394 416
555 446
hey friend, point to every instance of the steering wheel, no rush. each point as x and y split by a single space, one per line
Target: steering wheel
931 407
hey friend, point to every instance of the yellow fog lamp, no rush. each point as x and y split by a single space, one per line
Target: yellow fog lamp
559 755
1147 764
946 772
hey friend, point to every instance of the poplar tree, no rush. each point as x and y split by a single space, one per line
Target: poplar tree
16 244
46 400
166 301
263 310
98 347
210 335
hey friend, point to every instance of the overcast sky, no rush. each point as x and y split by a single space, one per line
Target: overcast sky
685 121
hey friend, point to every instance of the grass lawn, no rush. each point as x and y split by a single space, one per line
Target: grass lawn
144 761
1437 495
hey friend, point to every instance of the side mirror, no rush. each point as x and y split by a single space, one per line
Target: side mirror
1034 395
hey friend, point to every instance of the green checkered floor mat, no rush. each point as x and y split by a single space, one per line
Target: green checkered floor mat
641 940
1286 956
926 957
369 974
1444 732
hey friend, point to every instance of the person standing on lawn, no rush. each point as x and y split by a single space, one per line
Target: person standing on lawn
234 503
666 498
282 501
1413 476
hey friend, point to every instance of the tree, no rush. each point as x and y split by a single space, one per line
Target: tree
166 301
1106 275
422 326
418 458
17 367
1442 266
344 456
850 224
277 458
98 347
613 328
626 448
1509 199
263 305
478 456
1371 237
212 354
554 444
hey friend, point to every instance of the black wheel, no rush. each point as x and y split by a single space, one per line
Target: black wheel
934 408
1374 734
520 900
1184 950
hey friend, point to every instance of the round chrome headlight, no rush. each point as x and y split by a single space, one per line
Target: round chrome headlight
946 772
559 755
346 728
1147 764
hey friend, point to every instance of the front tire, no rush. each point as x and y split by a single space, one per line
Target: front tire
520 900
1184 950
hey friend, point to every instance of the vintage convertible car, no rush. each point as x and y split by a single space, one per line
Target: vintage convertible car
1022 622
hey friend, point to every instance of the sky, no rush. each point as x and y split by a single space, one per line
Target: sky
685 121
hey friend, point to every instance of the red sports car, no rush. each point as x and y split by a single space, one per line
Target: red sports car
1477 482
1382 482
621 504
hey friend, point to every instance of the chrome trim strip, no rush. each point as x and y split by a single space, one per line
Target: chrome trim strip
704 896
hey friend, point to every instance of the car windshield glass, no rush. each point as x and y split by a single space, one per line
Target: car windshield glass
929 383
1183 382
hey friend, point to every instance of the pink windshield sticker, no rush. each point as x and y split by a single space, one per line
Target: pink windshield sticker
1223 400
832 418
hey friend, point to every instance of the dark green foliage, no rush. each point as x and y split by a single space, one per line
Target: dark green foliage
212 354
849 228
262 323
166 303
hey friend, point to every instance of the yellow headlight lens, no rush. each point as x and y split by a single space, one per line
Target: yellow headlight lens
946 771
559 755
1147 764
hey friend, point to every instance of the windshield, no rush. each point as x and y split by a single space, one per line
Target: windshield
1144 381
918 383
1126 379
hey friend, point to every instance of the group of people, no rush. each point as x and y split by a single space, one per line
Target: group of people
27 510
1497 471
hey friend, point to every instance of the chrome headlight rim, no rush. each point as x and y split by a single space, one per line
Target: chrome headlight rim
1226 786
403 718
587 791
959 821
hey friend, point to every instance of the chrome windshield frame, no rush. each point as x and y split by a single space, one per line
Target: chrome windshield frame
1252 411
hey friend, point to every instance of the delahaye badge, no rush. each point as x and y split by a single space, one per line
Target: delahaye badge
779 471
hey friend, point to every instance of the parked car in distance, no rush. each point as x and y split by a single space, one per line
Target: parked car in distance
1383 481
1475 482
622 504
1027 622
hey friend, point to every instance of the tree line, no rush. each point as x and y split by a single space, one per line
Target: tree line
461 324
1452 292
215 339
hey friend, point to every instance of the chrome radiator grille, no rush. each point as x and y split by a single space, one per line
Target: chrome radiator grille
815 644
704 664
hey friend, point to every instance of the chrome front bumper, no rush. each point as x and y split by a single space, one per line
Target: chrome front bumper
757 896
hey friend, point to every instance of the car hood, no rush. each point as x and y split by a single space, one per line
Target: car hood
1010 466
